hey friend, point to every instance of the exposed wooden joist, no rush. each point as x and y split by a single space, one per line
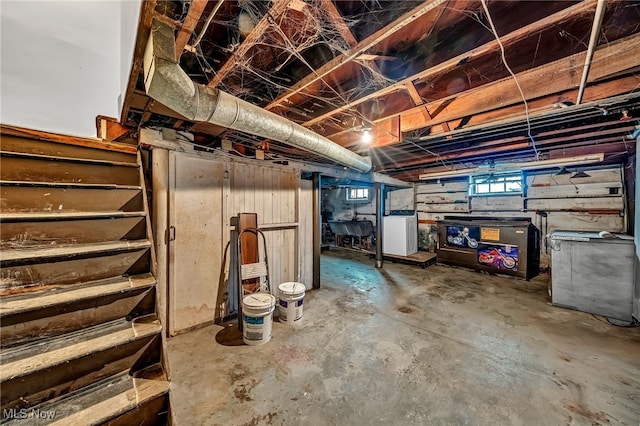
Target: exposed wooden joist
513 113
515 143
278 8
357 50
189 25
340 25
416 98
490 47
338 22
610 148
558 76
144 27
108 128
147 111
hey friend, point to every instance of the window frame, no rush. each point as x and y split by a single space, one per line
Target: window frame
364 198
491 180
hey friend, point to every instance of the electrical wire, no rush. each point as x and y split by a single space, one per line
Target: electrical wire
207 23
504 60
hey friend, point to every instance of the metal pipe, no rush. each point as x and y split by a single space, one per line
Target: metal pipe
593 41
167 83
317 224
379 216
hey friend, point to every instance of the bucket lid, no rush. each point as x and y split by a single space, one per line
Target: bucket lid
259 300
292 288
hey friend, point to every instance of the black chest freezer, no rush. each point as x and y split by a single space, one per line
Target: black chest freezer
509 246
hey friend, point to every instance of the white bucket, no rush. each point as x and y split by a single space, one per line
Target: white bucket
256 318
291 296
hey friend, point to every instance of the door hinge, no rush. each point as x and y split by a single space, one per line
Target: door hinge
170 234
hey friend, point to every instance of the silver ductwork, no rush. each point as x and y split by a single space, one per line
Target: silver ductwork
167 83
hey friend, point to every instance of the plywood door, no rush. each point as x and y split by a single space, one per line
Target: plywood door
196 252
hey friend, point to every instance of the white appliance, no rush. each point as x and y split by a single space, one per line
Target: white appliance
400 235
593 272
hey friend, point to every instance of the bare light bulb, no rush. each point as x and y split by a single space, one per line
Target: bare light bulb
366 136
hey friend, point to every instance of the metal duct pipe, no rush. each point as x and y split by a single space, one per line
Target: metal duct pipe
593 41
167 83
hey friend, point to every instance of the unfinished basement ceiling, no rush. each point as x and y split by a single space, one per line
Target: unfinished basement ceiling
427 78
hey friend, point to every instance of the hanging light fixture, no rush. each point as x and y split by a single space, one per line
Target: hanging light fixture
366 136
563 171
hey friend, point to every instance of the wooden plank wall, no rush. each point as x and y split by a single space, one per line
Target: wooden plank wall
594 203
272 193
401 199
215 189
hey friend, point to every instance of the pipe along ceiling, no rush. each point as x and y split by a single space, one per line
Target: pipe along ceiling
167 83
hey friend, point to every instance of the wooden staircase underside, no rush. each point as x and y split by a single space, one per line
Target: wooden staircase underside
80 341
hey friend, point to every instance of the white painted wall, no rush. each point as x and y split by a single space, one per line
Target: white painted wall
129 16
61 62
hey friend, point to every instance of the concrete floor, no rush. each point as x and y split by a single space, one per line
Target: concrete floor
411 346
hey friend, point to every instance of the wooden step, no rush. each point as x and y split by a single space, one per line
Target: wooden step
93 143
33 373
37 269
52 312
123 397
66 185
7 155
29 230
42 255
30 168
22 303
16 144
51 216
17 197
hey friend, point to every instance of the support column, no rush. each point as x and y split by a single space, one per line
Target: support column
379 216
317 224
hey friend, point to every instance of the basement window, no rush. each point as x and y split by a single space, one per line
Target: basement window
496 184
358 194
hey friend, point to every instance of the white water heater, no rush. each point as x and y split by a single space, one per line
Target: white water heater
400 235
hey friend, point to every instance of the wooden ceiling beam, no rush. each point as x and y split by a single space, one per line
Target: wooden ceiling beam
417 99
508 114
487 48
518 142
559 76
357 50
278 8
189 25
338 22
108 128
